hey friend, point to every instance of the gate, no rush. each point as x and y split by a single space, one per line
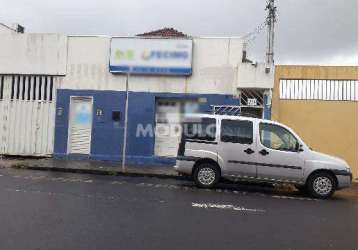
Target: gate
27 114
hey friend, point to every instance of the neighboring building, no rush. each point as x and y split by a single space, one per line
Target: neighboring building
321 104
79 75
31 66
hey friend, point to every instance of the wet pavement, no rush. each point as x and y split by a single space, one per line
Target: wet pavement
88 167
53 210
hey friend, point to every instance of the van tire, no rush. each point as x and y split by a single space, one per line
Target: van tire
321 185
206 175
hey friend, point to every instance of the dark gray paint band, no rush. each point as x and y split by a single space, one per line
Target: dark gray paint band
265 164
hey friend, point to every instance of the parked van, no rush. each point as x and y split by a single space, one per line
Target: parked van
241 148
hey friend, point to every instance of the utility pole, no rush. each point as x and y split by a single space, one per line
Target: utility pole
124 149
270 22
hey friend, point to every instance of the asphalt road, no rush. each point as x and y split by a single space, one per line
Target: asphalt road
47 210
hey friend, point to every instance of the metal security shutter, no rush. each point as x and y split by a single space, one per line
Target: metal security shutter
27 114
80 128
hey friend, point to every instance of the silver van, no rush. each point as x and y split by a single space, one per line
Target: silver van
241 148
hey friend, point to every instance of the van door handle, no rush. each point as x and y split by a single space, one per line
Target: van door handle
264 152
249 151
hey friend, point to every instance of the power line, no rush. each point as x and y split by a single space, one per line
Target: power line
269 23
251 37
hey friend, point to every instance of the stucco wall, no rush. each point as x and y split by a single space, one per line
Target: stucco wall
215 67
326 126
84 61
36 54
255 76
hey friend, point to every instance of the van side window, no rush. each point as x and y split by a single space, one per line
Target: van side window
236 131
203 130
278 138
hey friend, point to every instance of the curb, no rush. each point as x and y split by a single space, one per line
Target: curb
102 172
112 173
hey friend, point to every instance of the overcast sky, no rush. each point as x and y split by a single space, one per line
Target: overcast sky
307 32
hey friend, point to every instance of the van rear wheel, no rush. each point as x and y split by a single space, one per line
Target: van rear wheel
206 175
321 185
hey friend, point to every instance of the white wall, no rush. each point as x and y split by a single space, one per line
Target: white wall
254 76
215 63
88 65
42 54
84 61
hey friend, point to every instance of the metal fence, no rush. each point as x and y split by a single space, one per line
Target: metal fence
27 114
327 90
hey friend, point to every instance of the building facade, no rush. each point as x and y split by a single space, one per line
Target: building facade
320 103
59 96
32 66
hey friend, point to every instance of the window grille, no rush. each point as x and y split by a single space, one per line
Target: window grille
226 110
2 80
30 88
252 97
328 90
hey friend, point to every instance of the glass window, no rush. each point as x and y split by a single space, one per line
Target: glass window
236 131
203 129
277 137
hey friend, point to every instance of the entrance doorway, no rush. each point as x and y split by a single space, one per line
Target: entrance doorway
80 128
255 112
168 117
252 102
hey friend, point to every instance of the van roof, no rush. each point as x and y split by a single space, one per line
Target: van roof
232 117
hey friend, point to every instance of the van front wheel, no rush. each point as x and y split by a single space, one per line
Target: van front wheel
321 185
206 175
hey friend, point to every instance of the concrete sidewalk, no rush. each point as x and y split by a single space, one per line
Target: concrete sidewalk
88 167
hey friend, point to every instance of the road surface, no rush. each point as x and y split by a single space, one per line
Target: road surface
49 210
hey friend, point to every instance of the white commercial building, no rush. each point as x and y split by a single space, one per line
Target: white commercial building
65 95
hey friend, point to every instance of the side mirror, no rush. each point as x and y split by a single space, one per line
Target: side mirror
299 147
